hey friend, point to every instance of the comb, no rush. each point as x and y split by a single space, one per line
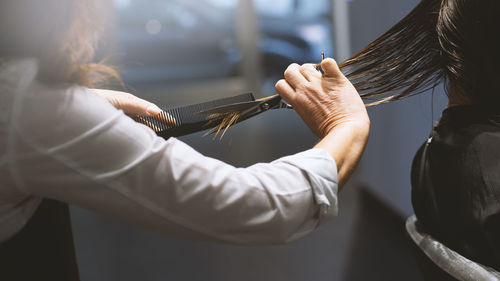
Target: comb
184 120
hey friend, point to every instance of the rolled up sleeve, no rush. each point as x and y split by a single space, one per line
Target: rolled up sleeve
275 202
87 153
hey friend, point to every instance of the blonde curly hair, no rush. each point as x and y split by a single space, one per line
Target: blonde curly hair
61 34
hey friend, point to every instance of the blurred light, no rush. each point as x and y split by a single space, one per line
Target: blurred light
122 4
313 33
277 8
153 27
188 20
224 4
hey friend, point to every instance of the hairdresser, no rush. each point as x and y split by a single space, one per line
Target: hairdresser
61 142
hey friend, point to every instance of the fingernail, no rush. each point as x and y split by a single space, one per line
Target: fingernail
153 110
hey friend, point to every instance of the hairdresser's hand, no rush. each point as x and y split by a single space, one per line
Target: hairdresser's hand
332 108
323 101
129 103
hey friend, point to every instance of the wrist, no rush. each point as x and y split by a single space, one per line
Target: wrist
346 143
352 129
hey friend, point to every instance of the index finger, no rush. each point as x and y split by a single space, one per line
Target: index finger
294 77
309 71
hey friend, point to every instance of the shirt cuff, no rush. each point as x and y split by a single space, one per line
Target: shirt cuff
321 170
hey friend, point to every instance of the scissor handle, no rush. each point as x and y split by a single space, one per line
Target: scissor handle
280 104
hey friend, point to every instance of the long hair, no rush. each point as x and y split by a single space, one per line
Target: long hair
450 41
61 34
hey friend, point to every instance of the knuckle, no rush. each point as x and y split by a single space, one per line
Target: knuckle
302 87
311 88
330 61
307 66
282 89
292 67
279 84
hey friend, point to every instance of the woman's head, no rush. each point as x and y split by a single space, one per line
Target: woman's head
61 34
455 41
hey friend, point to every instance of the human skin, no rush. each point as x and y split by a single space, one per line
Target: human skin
328 103
130 104
332 108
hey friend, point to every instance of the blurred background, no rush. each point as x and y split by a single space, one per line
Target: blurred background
176 52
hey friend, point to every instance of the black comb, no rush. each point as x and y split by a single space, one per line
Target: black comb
184 120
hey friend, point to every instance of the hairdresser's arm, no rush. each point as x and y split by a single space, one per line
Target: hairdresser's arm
75 147
332 108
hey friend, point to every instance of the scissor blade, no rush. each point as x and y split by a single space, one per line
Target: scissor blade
235 107
241 106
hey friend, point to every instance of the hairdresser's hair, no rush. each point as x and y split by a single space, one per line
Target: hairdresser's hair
451 41
61 34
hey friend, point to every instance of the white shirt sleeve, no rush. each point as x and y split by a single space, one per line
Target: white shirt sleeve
73 146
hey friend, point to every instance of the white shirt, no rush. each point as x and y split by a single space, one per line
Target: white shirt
70 145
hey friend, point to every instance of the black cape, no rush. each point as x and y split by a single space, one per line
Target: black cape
456 184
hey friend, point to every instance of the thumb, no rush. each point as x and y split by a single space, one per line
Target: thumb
330 67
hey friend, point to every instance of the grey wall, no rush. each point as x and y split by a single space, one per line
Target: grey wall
366 242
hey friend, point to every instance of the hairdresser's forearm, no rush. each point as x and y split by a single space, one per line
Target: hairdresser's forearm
346 143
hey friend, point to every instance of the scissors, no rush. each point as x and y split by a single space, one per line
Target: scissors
234 113
249 108
228 115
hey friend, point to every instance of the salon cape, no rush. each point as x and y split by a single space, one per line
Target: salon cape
68 144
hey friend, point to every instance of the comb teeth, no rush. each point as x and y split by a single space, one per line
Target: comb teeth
184 120
163 121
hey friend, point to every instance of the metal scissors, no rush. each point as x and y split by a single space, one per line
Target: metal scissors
229 115
251 108
234 113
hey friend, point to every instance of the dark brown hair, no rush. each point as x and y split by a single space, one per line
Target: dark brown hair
61 34
450 41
